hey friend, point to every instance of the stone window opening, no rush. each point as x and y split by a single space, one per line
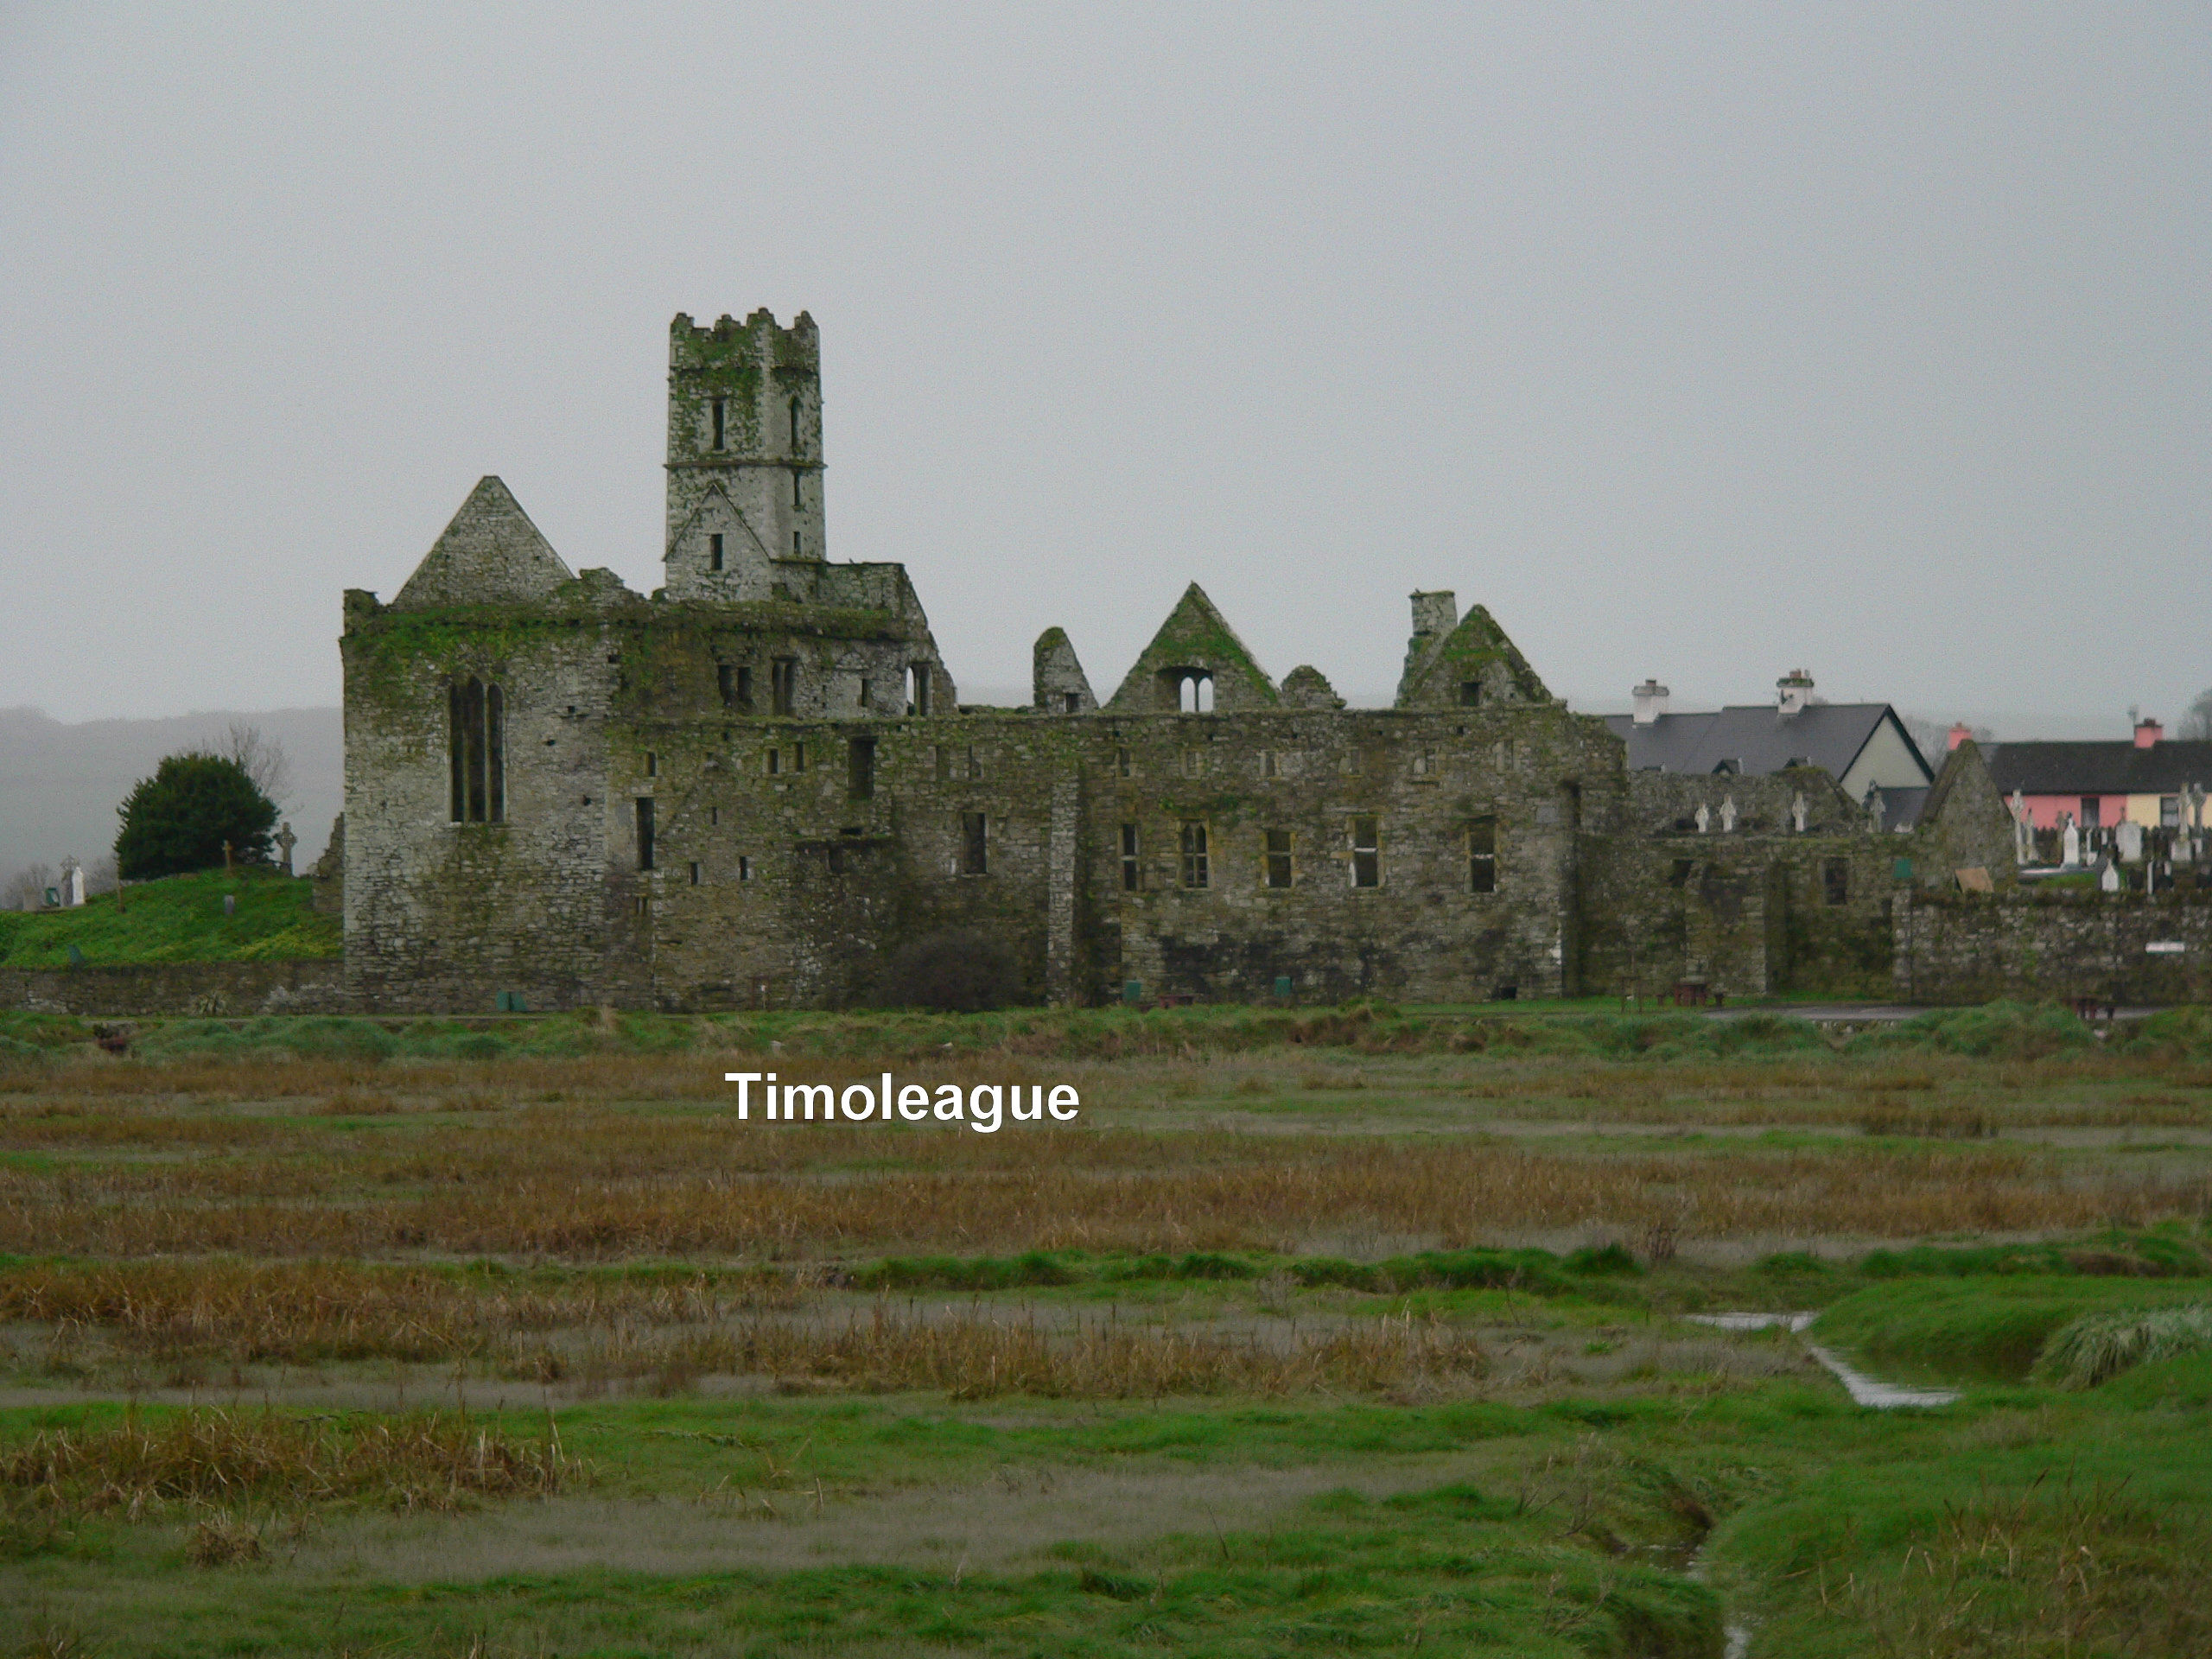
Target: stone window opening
1482 855
653 764
1196 866
714 551
799 545
918 689
975 844
734 682
1270 764
1425 767
477 728
1194 763
719 423
645 832
1366 853
1470 694
797 499
1121 763
744 867
644 904
796 444
783 684
860 768
1132 870
941 755
695 872
868 694
1193 689
775 762
799 757
1279 873
1074 700
1836 880
974 762
714 815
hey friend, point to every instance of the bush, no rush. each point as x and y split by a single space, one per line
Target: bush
178 820
2099 1346
963 970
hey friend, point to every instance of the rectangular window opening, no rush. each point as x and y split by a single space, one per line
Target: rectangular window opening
1279 870
694 874
917 692
775 762
1482 855
645 832
799 545
1122 763
1269 765
799 757
975 844
1470 694
782 684
861 768
1836 880
719 423
1132 871
941 758
867 695
714 551
744 867
974 762
726 682
1197 871
653 764
1366 853
799 498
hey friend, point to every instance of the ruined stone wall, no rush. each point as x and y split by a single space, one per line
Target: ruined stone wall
1421 934
178 988
441 915
2035 944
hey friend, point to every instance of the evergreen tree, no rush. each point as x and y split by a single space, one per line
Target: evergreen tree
178 819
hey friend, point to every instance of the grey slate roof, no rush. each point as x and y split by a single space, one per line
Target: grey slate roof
2107 768
1754 738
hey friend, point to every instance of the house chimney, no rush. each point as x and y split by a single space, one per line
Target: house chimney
1650 701
1795 690
2147 733
1959 732
1435 613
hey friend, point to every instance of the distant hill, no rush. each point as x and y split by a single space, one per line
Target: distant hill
59 784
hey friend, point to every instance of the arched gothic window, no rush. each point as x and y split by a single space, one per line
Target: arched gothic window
477 720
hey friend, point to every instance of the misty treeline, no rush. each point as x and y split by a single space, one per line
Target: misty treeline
261 756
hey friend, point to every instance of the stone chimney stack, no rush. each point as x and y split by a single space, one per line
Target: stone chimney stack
1794 690
1650 701
1434 615
2147 733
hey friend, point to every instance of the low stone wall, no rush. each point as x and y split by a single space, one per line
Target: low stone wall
2031 946
186 987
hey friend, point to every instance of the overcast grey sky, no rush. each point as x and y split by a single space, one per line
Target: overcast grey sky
1697 341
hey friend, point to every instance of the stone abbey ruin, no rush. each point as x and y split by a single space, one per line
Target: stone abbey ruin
753 787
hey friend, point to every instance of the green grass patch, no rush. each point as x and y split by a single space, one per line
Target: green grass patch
178 918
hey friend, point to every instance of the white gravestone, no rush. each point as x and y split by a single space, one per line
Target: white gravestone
1728 815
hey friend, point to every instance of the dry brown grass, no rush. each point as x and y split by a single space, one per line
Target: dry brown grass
309 1311
211 1457
1056 1192
971 1356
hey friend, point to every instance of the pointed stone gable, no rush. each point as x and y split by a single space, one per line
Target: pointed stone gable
1475 654
491 554
1195 640
1055 676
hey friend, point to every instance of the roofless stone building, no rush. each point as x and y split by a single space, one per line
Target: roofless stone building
749 789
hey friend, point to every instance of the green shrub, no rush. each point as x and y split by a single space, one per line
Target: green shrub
182 817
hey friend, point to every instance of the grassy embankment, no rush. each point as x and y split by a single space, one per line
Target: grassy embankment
179 919
1330 1331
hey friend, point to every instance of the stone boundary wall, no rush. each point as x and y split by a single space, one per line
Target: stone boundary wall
2029 945
315 986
